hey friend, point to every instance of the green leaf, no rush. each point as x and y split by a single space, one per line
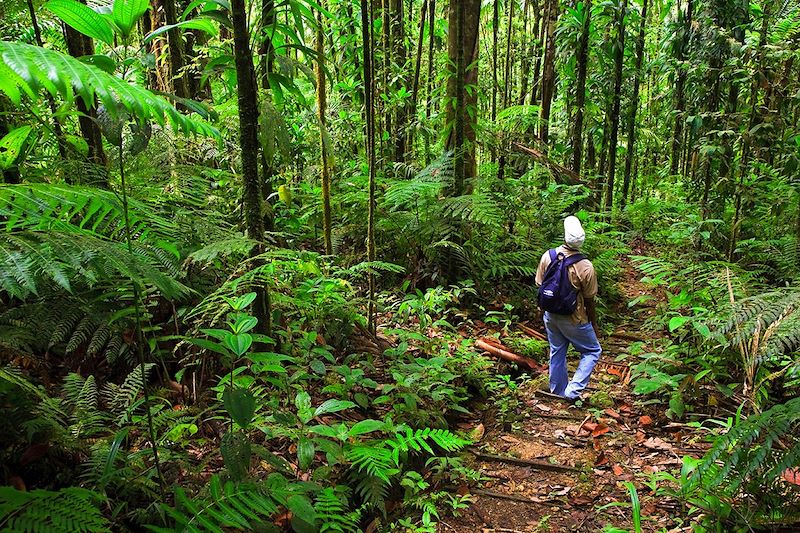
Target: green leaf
33 68
305 453
302 400
12 146
678 321
210 346
240 404
82 19
366 426
126 13
201 24
103 62
333 406
240 343
301 507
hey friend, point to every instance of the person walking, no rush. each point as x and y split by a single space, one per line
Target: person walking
567 288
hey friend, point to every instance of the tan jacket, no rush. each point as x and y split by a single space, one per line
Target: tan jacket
581 275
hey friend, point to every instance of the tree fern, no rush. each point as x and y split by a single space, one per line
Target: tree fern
27 69
66 511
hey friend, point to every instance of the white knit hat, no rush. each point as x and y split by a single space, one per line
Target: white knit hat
573 233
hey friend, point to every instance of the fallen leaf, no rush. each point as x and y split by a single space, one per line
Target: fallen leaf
601 429
581 500
613 414
618 471
545 408
509 439
562 492
626 408
654 443
792 475
601 459
477 434
640 436
645 420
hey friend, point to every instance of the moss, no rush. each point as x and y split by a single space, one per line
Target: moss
528 347
601 399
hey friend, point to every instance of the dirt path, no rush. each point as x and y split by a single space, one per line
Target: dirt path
578 457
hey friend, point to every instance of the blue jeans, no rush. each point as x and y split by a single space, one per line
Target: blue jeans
561 332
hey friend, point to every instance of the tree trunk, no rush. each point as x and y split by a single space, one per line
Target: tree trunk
415 89
176 53
322 108
267 53
548 71
680 90
57 132
619 54
399 56
495 81
507 69
79 45
637 78
758 73
525 59
462 48
582 60
369 93
248 142
429 80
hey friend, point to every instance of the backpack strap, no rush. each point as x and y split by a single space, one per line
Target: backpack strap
574 258
553 255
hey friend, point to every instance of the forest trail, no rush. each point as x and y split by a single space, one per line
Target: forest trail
563 467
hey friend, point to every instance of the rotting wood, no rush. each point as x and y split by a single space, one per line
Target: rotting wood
532 332
536 465
485 345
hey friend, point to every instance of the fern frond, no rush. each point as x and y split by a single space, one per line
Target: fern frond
66 511
29 69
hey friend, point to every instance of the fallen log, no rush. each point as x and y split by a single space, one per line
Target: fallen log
532 332
488 346
536 465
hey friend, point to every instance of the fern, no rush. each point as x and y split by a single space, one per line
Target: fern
419 441
241 506
747 463
29 69
66 511
332 512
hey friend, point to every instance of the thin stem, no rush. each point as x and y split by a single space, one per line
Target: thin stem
138 332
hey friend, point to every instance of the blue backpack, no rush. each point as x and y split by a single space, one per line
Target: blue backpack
557 295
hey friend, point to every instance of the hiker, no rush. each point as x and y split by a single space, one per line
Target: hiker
567 288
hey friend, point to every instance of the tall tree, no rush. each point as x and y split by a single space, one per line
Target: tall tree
322 109
549 69
429 79
462 51
681 49
634 107
582 60
495 54
369 93
399 57
619 55
415 88
247 96
180 85
80 45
